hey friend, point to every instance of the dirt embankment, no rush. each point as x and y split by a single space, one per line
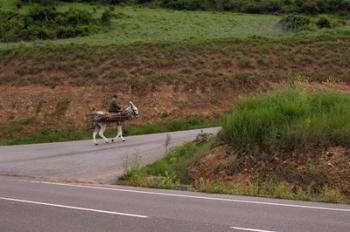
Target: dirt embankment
309 169
59 87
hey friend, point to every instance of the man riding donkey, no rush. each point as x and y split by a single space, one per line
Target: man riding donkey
114 106
115 115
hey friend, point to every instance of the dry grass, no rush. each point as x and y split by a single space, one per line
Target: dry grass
154 64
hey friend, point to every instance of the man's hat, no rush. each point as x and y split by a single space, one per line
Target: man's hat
114 96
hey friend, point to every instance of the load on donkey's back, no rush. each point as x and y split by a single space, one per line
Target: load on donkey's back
114 114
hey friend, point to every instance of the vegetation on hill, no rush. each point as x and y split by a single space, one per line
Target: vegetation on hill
45 22
248 6
287 144
265 6
203 79
144 67
133 24
289 121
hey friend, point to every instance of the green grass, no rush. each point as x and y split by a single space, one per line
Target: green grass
290 119
170 171
137 24
8 4
47 136
15 127
12 134
145 25
62 106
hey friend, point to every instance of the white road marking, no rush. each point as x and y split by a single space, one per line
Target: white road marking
197 197
73 207
250 229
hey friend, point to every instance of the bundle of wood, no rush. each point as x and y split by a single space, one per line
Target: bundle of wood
110 117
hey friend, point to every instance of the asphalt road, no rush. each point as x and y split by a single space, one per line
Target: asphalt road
27 203
82 161
49 207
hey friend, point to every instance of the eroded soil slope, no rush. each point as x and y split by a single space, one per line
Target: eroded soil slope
58 87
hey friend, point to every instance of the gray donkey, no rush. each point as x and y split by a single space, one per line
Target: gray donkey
101 119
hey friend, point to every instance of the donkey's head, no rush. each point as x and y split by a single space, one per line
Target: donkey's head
133 110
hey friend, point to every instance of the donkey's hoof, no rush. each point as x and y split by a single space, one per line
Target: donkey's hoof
112 140
124 140
106 142
96 144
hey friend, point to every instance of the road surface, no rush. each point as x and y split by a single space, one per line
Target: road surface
51 207
31 204
82 161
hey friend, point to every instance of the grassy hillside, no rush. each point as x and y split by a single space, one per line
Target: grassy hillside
289 121
250 6
286 144
168 82
132 24
174 64
135 25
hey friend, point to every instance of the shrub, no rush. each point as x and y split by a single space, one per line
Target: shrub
106 17
290 120
324 22
295 23
45 22
61 107
185 4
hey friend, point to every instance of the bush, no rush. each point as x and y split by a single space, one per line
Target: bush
290 120
295 23
61 107
45 22
185 4
106 17
324 22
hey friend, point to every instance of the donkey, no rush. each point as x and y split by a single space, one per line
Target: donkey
101 119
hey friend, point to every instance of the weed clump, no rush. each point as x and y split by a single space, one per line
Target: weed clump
61 107
324 22
295 23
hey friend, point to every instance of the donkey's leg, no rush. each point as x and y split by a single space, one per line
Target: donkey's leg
101 133
96 130
120 132
116 137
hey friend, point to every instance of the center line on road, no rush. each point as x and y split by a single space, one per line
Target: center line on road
198 197
73 207
250 229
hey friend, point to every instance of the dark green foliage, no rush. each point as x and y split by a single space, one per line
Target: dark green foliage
45 22
260 6
249 6
186 4
324 22
295 23
106 17
41 2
